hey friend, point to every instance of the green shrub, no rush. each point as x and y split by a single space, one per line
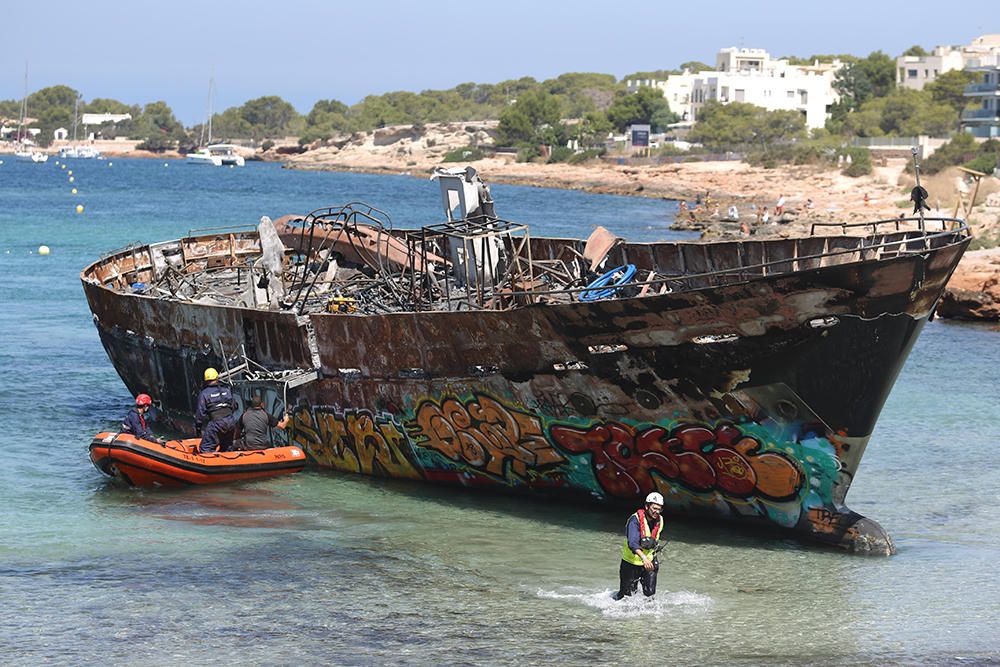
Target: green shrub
984 241
464 154
808 151
984 163
583 156
961 149
267 145
560 154
156 144
670 150
527 153
861 162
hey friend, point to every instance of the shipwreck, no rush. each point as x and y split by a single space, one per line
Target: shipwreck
741 379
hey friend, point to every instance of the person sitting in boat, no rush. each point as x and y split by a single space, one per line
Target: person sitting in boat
639 562
217 407
256 423
135 421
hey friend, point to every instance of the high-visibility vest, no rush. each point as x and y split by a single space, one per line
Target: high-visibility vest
627 554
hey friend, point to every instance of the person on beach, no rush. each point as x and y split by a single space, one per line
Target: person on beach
256 423
765 217
639 562
733 213
217 407
779 207
135 421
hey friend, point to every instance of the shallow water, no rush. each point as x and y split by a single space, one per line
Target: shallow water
322 567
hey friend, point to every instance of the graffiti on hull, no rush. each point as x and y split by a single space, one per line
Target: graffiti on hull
485 434
745 468
626 460
355 441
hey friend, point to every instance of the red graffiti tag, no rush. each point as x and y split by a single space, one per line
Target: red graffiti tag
699 458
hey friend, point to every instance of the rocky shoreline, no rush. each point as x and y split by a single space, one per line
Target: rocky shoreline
812 194
973 292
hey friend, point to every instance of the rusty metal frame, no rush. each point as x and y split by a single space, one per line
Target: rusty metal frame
413 290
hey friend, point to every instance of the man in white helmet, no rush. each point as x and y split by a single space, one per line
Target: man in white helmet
639 561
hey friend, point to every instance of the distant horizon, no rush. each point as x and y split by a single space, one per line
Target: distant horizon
305 52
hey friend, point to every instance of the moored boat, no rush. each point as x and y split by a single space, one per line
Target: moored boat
76 152
30 155
177 463
217 155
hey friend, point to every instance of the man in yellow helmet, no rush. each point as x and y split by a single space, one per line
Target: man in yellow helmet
639 561
216 406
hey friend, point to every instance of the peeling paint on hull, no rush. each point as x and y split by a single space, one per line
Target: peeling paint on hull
751 401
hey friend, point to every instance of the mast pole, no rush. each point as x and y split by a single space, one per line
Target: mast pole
211 90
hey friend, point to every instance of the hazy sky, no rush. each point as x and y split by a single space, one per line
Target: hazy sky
140 52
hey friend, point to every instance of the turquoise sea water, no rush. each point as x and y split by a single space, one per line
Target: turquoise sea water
322 567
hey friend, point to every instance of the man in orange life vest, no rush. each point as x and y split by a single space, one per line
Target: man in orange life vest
639 561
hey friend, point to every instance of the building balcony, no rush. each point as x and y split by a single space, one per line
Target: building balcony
982 89
981 115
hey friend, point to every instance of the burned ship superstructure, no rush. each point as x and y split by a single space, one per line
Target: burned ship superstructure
741 379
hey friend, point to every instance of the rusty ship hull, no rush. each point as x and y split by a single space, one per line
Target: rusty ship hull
744 386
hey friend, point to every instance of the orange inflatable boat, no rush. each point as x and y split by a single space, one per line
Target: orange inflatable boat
177 463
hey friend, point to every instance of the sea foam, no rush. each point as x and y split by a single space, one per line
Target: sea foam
676 602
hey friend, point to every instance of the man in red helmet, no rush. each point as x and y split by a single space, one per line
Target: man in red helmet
135 420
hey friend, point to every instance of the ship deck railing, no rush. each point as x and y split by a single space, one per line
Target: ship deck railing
392 292
914 241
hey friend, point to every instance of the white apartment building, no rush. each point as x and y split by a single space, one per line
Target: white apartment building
917 71
752 76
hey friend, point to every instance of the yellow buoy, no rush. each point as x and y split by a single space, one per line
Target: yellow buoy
70 179
69 173
63 166
79 208
110 163
73 190
43 250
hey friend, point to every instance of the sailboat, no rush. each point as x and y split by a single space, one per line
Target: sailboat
216 155
25 151
74 150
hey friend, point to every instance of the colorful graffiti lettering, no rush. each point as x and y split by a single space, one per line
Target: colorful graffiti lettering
625 460
355 441
485 434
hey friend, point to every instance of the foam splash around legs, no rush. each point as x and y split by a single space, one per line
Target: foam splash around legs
661 604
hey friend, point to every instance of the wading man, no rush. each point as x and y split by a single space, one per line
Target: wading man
639 561
216 406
